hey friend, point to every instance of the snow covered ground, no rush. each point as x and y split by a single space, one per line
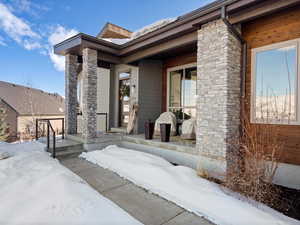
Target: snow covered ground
36 189
182 186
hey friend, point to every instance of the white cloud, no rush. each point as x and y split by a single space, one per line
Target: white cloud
18 29
21 32
27 6
2 42
22 5
59 34
29 45
57 60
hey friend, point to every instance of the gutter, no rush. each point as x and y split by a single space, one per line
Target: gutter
191 20
200 12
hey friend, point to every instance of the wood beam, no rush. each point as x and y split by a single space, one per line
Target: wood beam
165 46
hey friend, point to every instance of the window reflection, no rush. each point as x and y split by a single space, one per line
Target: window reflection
182 92
175 88
190 87
275 87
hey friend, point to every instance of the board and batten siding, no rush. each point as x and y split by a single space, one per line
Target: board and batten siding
103 98
150 72
275 28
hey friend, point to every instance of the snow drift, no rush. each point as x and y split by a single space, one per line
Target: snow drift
36 189
182 186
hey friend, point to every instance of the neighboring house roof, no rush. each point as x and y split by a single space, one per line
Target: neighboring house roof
31 101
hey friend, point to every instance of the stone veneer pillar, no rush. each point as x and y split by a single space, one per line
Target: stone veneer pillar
218 103
71 94
89 95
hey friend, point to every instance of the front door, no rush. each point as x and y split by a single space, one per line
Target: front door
124 100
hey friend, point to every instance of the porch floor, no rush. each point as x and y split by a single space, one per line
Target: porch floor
176 143
100 138
111 138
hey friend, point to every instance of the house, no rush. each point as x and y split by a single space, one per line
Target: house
209 63
23 105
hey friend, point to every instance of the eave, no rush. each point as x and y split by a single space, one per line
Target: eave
152 43
74 45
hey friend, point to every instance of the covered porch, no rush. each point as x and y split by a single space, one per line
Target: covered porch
102 87
176 74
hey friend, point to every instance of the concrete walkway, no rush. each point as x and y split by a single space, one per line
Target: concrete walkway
145 207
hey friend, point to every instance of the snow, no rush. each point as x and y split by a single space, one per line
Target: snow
141 32
182 186
117 41
152 27
36 189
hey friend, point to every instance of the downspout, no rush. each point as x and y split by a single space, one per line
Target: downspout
237 34
238 157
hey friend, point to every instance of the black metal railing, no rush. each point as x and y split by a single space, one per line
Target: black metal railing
49 127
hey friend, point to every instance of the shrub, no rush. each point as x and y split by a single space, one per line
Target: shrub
260 147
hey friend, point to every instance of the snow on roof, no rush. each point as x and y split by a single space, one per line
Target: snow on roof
117 40
152 27
143 31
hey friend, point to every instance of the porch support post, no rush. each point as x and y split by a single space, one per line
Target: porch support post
218 103
89 95
71 94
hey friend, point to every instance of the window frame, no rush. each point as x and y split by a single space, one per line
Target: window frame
254 52
172 69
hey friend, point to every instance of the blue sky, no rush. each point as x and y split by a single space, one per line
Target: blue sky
272 69
28 29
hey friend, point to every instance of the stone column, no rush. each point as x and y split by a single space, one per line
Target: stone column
218 103
89 95
71 94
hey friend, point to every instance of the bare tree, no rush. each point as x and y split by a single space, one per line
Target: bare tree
3 126
29 131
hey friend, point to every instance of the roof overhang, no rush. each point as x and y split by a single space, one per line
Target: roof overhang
182 31
114 31
74 45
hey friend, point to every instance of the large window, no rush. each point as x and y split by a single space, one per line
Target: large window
275 72
182 91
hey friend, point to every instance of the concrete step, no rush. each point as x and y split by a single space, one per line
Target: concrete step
71 153
101 138
66 148
121 130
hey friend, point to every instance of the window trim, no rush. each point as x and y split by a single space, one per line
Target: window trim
171 69
254 52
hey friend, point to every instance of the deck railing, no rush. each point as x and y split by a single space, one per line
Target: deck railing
49 127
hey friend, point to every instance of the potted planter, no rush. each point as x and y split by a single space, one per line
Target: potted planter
149 130
165 130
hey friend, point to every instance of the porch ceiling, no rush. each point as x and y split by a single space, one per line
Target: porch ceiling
111 53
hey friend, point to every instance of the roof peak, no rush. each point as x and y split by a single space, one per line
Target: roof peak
111 30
